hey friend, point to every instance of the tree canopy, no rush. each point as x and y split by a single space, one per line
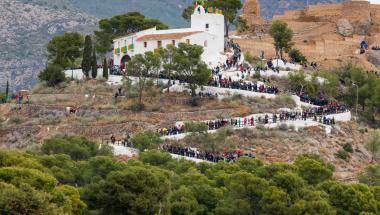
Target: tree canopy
53 75
282 36
141 66
65 49
51 182
189 66
86 59
121 25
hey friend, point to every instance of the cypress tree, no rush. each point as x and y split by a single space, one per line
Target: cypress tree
7 91
105 69
86 61
94 63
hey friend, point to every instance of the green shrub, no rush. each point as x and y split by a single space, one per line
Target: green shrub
348 148
49 120
196 127
15 120
363 129
146 140
53 75
257 75
297 56
138 106
342 154
194 101
78 148
248 57
313 168
236 96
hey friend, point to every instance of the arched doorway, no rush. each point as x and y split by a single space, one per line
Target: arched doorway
125 59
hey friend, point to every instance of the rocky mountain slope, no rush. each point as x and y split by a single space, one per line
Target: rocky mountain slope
27 25
25 28
167 9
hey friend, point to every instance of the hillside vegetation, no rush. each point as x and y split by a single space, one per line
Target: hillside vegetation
72 175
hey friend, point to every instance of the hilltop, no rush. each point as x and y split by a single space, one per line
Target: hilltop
27 26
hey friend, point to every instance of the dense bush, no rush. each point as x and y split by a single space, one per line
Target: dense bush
348 148
146 140
196 127
52 75
342 154
78 148
297 56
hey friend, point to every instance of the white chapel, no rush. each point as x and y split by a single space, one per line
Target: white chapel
207 30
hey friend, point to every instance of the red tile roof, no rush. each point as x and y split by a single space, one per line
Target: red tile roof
166 36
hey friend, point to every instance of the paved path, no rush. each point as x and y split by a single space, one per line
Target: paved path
296 124
120 150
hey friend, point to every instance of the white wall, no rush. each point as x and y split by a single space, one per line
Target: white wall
214 36
216 26
77 74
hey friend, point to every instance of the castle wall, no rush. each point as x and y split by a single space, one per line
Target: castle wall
375 14
355 10
290 15
324 10
316 49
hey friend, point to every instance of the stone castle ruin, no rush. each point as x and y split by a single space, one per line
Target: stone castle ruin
354 16
252 14
322 32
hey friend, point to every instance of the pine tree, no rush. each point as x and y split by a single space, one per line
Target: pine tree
94 63
87 58
105 69
7 91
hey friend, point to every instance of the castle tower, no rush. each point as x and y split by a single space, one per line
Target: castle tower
252 12
212 23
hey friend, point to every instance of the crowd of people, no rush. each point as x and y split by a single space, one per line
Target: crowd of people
175 130
241 85
126 141
318 101
227 156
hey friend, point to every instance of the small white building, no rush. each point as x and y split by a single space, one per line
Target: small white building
207 30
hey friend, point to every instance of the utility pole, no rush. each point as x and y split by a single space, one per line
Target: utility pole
7 91
357 100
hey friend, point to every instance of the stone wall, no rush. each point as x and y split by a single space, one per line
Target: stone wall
321 12
351 10
314 49
324 11
290 15
356 10
375 14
